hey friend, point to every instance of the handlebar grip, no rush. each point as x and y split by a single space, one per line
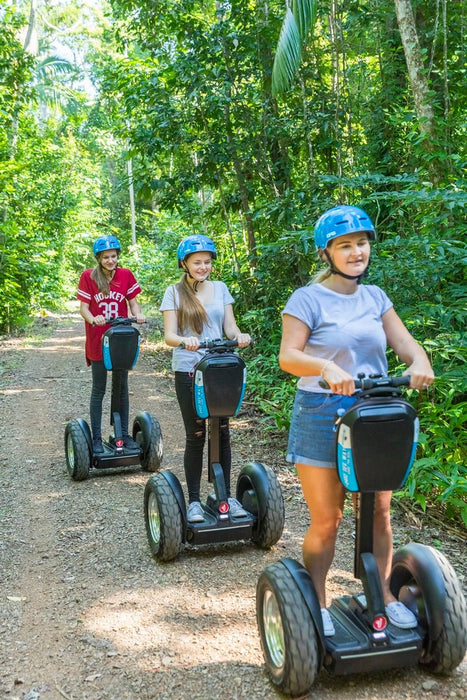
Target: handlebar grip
372 382
401 381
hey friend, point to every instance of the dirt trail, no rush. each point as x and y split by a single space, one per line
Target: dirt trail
85 612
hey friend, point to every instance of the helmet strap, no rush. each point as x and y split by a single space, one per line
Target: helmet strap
186 270
335 271
188 274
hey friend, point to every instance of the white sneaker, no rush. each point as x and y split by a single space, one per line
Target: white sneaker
328 625
400 616
195 512
236 509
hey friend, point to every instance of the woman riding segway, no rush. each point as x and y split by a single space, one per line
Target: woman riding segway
194 309
105 292
334 329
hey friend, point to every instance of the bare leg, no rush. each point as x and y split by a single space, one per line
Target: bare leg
382 541
324 495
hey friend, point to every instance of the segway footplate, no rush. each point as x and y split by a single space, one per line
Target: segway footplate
355 648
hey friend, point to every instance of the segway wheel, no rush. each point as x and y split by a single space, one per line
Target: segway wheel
424 580
78 457
287 631
147 433
163 519
259 491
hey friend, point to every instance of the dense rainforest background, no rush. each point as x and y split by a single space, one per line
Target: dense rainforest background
154 119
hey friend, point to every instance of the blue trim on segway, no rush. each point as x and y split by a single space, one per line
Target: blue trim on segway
243 391
136 355
106 353
199 395
416 430
345 463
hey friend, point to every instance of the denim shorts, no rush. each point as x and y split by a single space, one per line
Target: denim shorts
312 433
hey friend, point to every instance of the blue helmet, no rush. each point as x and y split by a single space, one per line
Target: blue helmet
105 243
195 244
341 220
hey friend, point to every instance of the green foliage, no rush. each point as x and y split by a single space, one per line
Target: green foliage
439 475
183 87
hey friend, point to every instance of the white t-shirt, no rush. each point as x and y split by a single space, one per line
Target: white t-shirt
185 360
345 328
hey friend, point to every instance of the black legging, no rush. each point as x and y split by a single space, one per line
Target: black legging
99 383
195 430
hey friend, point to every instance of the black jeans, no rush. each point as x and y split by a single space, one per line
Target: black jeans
121 402
195 431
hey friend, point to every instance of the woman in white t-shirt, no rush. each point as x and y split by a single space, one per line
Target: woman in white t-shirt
196 309
336 328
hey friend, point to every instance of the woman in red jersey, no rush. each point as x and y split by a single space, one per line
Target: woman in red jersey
106 292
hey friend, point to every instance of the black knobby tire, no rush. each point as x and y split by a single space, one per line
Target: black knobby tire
147 433
78 458
447 651
266 503
163 519
287 631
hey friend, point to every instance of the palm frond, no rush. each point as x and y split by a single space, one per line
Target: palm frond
305 15
298 21
54 65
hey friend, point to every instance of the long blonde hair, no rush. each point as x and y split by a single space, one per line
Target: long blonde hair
190 312
323 274
102 283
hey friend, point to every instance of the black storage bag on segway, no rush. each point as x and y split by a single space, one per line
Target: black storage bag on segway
376 440
120 347
219 381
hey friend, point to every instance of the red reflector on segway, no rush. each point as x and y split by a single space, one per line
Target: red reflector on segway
379 623
223 507
119 443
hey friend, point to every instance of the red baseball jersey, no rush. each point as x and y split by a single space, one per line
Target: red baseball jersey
123 287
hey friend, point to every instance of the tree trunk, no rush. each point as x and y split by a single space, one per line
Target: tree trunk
28 45
414 60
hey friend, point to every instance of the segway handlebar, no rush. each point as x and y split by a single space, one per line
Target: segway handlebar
373 382
216 343
120 321
366 383
123 321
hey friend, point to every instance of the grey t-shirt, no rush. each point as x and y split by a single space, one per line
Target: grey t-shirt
185 360
346 328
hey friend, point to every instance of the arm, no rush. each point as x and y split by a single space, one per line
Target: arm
136 310
88 317
231 329
408 350
171 336
294 360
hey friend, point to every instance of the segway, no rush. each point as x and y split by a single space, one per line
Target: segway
219 381
120 350
375 443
